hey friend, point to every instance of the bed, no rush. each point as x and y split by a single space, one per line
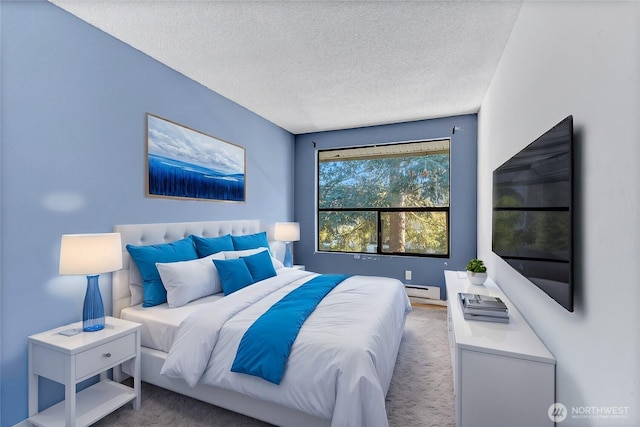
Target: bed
341 362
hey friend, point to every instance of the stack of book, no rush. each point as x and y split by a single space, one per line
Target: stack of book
483 307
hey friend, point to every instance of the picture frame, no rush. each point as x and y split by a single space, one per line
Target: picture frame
183 163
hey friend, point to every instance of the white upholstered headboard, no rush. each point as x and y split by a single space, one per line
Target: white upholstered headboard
153 234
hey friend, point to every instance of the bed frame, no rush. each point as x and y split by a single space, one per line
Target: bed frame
152 360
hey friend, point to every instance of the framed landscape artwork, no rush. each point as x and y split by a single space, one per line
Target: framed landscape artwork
187 164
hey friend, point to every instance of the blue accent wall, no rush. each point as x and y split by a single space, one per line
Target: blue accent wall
73 137
425 271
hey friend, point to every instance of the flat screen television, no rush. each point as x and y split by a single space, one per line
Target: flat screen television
532 212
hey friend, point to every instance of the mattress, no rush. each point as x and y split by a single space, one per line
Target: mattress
160 323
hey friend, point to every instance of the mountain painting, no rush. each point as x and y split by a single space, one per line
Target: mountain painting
184 163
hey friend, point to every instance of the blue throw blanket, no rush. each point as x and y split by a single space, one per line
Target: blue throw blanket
265 346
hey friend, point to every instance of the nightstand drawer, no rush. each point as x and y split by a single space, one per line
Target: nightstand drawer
97 359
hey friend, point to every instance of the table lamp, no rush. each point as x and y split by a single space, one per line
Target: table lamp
91 254
287 232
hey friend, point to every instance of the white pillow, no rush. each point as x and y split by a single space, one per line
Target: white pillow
238 254
137 294
247 252
277 264
186 281
135 283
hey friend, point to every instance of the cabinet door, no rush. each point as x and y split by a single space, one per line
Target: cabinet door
504 391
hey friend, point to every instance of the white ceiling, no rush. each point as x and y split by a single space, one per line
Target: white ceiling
321 65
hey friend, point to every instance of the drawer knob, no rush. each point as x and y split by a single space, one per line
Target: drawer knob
107 355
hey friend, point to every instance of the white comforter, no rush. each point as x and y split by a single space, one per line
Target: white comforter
340 365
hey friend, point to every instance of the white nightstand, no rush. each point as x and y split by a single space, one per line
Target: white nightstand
72 359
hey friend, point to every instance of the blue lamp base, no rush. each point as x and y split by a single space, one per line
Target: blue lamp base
288 256
93 309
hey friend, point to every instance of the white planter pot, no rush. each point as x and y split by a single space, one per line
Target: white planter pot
476 278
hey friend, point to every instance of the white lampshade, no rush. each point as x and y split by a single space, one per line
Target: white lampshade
90 254
287 231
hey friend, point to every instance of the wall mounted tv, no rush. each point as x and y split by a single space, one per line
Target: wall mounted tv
532 212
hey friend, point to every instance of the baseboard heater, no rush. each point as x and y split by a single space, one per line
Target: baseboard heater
424 294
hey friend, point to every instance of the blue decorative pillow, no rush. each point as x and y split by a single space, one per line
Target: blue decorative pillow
250 241
234 274
260 265
212 245
146 257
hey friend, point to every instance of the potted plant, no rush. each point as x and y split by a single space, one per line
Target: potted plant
476 271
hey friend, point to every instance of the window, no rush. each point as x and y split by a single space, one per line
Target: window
385 199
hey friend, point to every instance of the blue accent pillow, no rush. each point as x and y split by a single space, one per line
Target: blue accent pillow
146 257
250 241
260 265
234 274
206 246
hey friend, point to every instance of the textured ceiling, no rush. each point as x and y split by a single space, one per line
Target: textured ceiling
318 65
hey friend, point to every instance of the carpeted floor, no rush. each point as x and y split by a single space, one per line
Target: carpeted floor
420 394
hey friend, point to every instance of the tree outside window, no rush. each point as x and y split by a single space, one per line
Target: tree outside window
385 199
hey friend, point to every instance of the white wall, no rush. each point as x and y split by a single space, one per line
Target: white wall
579 58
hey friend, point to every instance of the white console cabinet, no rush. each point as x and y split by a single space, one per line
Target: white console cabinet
503 374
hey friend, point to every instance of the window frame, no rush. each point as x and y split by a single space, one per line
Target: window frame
379 211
